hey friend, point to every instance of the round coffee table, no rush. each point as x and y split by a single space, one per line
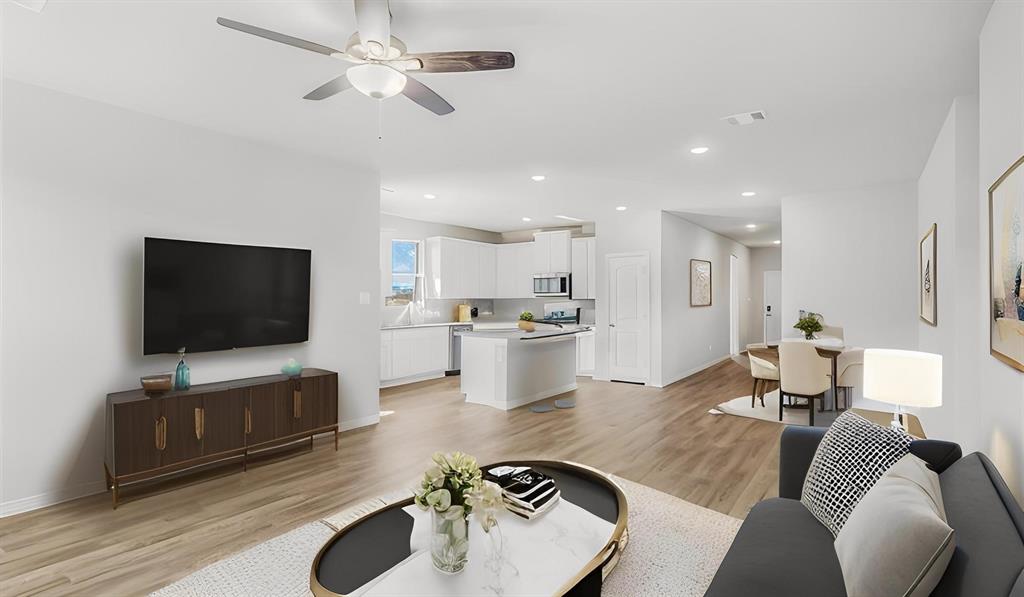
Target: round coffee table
374 543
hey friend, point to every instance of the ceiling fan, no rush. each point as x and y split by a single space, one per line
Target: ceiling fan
380 65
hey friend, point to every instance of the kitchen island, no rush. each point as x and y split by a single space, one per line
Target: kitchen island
509 368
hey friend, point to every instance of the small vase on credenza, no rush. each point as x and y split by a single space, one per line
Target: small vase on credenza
182 375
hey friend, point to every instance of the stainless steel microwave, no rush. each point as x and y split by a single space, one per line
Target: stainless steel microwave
558 284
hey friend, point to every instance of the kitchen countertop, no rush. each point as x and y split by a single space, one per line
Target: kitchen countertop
517 334
425 325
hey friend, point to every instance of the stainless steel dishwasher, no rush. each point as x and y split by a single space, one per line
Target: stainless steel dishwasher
455 348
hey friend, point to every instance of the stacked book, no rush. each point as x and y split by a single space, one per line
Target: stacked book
526 492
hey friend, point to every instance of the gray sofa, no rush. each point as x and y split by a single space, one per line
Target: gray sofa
781 550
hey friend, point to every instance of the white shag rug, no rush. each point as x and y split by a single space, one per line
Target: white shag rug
675 547
740 407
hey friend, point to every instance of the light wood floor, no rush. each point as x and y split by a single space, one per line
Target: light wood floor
663 438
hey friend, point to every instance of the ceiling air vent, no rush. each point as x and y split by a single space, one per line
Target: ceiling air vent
745 118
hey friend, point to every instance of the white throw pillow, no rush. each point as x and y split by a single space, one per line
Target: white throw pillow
896 541
852 456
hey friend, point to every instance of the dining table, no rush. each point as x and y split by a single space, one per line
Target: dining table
827 347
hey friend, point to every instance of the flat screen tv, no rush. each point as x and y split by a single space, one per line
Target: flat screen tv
209 296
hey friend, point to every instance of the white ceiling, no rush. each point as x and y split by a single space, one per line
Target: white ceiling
606 97
767 225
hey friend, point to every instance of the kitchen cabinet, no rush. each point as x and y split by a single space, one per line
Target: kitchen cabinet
584 268
552 252
414 352
585 347
460 269
514 270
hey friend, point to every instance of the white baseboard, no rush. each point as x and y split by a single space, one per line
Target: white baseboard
34 502
388 383
693 371
360 422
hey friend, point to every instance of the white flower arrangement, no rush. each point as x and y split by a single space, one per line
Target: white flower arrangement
453 487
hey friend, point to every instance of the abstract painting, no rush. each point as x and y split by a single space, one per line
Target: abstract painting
1006 262
700 283
927 277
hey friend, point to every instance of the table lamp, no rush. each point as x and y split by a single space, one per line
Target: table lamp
903 378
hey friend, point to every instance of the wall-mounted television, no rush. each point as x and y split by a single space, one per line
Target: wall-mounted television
208 296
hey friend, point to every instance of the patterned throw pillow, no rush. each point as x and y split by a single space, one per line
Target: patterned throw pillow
852 456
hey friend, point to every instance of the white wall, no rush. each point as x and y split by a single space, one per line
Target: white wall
762 259
83 183
693 338
998 390
947 196
847 255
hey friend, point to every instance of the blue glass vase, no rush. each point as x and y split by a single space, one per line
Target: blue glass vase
182 380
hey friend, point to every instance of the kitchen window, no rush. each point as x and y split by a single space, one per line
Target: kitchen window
406 276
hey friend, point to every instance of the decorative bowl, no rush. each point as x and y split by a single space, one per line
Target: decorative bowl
157 384
292 368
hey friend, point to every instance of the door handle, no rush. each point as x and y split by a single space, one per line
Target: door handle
611 325
161 433
248 420
200 415
297 404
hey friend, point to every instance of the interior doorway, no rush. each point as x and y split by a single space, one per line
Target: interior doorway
771 307
629 322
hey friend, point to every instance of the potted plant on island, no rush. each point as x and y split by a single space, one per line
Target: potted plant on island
452 489
526 322
809 326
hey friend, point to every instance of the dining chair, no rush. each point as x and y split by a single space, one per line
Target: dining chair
803 374
832 331
850 372
764 373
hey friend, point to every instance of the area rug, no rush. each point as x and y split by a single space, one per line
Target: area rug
740 407
675 548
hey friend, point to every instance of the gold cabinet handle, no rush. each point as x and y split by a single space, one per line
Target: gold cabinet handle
156 439
248 420
200 422
297 404
161 433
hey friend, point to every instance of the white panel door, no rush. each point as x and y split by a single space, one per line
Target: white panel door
585 345
487 271
629 322
772 306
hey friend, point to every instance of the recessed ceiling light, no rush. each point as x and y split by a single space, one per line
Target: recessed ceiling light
526 219
699 150
570 218
429 196
776 242
538 177
620 208
748 193
751 226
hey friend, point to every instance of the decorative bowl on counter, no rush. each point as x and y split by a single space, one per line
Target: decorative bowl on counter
527 326
157 384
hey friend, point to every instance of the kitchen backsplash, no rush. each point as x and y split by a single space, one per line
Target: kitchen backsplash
445 310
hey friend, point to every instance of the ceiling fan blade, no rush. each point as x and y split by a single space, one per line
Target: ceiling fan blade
332 87
426 97
460 62
373 19
278 37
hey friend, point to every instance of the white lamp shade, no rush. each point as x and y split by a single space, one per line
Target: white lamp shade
376 80
903 377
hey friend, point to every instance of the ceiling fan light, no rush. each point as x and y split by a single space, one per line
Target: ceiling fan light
376 80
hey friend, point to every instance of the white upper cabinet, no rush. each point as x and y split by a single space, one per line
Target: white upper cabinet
552 252
514 270
487 267
584 268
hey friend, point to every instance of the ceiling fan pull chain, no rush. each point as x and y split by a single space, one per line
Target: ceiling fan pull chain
380 120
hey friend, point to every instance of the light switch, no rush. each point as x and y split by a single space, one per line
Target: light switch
364 298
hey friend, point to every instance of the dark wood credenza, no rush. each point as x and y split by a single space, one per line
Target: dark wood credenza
150 436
